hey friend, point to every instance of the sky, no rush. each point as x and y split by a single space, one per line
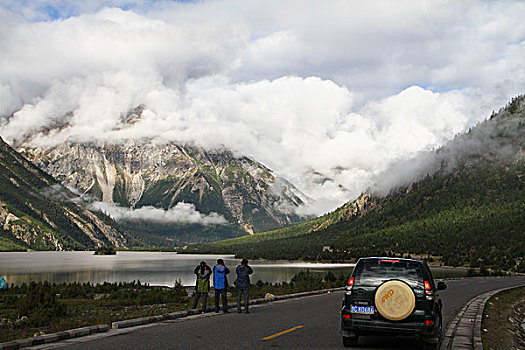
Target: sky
328 94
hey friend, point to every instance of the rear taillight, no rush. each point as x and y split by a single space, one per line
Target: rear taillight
429 322
389 260
349 286
346 316
351 281
428 291
427 285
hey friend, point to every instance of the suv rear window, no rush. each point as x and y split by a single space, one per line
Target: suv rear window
375 272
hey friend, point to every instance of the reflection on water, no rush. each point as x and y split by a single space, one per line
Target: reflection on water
148 267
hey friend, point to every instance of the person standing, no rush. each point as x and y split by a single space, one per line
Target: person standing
202 285
243 284
220 283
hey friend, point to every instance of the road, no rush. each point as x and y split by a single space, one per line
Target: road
308 323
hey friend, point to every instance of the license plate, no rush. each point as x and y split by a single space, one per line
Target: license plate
365 310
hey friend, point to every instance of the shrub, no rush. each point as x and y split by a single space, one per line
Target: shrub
40 304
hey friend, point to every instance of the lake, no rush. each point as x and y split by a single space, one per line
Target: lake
155 268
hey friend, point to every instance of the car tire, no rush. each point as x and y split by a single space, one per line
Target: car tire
395 300
350 341
440 329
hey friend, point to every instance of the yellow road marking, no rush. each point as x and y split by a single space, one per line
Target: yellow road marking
283 332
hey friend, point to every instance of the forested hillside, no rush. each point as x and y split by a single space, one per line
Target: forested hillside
38 213
469 209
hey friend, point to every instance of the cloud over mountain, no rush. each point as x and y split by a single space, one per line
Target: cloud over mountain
182 213
337 88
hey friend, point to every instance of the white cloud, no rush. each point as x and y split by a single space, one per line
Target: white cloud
339 88
182 213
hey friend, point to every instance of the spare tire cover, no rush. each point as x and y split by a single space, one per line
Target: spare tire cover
395 300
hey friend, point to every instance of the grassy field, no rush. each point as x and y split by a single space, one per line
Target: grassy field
37 308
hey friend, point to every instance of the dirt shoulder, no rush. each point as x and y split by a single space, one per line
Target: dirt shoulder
497 330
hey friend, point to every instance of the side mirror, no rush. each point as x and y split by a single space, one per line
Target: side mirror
441 286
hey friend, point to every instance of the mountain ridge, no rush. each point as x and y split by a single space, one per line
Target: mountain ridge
138 173
36 212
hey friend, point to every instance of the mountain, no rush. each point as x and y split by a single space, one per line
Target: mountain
37 212
138 174
466 208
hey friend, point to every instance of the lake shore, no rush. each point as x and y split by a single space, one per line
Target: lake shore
154 268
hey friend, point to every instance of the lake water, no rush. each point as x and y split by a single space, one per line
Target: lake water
154 268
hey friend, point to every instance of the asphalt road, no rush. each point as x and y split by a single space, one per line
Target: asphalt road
309 323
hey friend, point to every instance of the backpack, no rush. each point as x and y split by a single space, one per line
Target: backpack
3 284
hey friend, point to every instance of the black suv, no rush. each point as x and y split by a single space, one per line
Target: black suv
392 296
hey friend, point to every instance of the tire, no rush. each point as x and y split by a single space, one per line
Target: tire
395 300
440 329
350 341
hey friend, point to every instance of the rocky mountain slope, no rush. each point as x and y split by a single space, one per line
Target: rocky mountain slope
138 173
37 212
465 207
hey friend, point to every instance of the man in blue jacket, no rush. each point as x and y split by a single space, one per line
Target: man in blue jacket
220 283
243 284
3 284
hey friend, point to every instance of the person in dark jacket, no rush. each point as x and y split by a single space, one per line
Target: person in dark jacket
202 285
243 284
220 283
